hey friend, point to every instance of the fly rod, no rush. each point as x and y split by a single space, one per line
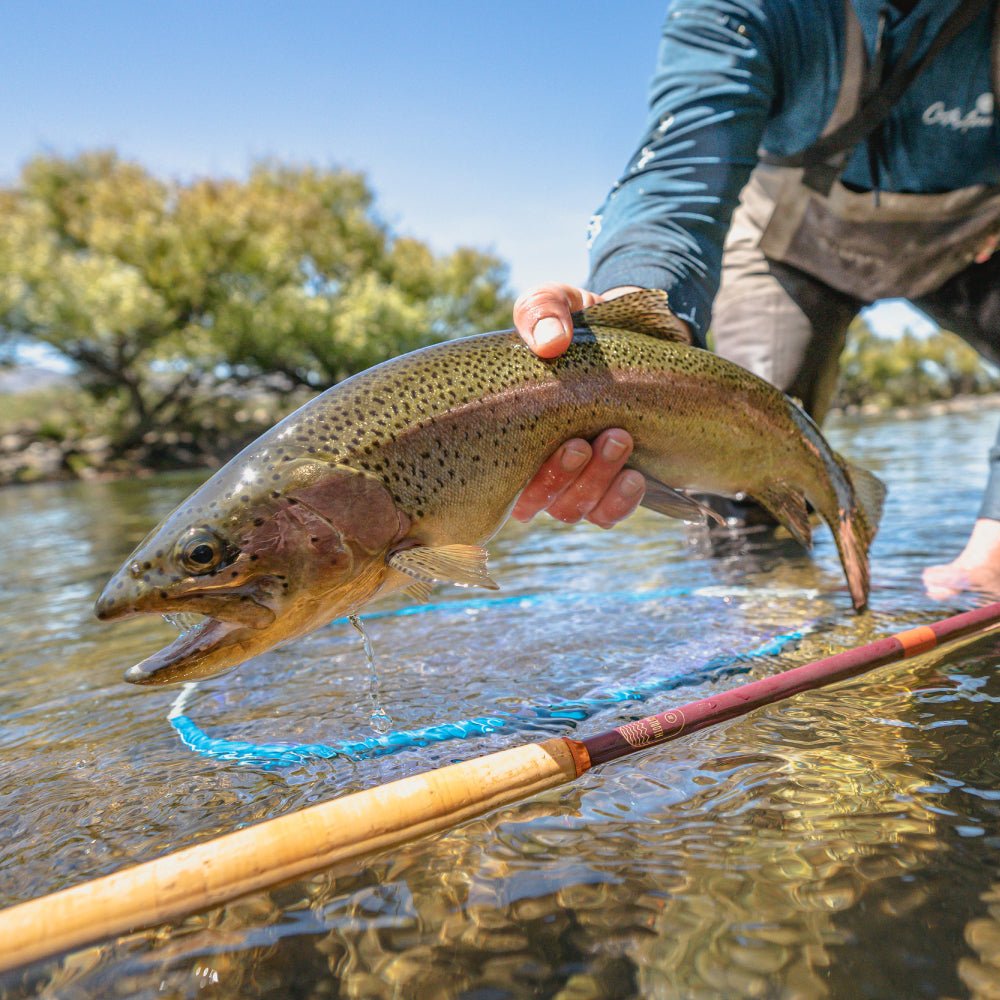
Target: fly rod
350 827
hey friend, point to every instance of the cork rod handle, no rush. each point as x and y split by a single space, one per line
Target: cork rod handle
280 849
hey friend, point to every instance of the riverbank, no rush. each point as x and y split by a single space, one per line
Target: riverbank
934 408
30 453
28 456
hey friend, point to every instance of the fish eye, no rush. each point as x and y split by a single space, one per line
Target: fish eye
201 552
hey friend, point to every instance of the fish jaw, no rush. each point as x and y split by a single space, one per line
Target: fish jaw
242 621
240 627
208 649
216 646
248 603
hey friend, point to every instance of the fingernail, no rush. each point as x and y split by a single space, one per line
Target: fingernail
631 483
613 449
573 457
547 331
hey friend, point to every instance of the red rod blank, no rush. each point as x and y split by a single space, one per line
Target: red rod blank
656 729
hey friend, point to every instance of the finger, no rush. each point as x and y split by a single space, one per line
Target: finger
543 317
987 250
611 451
620 500
944 581
552 478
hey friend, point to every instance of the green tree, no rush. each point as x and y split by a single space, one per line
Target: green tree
158 291
905 370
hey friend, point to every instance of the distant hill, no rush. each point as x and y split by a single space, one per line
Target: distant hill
27 378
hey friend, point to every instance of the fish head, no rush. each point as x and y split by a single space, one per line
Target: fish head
265 553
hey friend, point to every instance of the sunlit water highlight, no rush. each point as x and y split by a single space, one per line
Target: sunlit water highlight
842 844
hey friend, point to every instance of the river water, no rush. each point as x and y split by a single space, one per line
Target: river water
842 844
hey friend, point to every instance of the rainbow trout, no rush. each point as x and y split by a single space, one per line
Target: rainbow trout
396 478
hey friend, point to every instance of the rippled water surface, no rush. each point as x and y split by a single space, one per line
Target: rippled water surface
843 843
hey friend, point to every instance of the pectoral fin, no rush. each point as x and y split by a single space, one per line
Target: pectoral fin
671 503
462 565
790 510
419 592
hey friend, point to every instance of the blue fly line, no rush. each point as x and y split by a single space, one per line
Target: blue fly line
555 715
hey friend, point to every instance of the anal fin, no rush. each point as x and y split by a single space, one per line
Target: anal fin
790 510
462 565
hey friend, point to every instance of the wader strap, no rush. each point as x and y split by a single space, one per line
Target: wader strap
995 59
854 88
854 74
875 108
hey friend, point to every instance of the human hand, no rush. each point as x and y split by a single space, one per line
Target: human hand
584 481
542 316
976 568
580 481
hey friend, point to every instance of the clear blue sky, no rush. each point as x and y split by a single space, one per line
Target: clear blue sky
497 125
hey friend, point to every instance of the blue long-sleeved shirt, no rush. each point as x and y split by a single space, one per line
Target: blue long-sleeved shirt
734 76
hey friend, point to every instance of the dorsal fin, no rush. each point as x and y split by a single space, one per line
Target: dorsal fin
646 311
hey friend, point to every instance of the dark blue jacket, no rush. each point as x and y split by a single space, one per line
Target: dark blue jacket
734 76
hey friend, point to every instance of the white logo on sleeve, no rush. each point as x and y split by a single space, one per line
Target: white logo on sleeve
981 116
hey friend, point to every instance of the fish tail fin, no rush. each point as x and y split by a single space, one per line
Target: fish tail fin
856 527
870 491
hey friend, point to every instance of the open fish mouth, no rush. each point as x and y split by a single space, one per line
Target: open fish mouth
185 621
203 649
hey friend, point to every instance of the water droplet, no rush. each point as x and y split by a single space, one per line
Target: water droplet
380 719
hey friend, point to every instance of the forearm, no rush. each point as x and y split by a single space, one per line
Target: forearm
664 224
990 506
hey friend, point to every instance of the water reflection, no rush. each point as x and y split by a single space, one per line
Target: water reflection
842 844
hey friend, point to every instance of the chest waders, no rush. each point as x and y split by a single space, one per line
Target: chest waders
871 245
805 253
